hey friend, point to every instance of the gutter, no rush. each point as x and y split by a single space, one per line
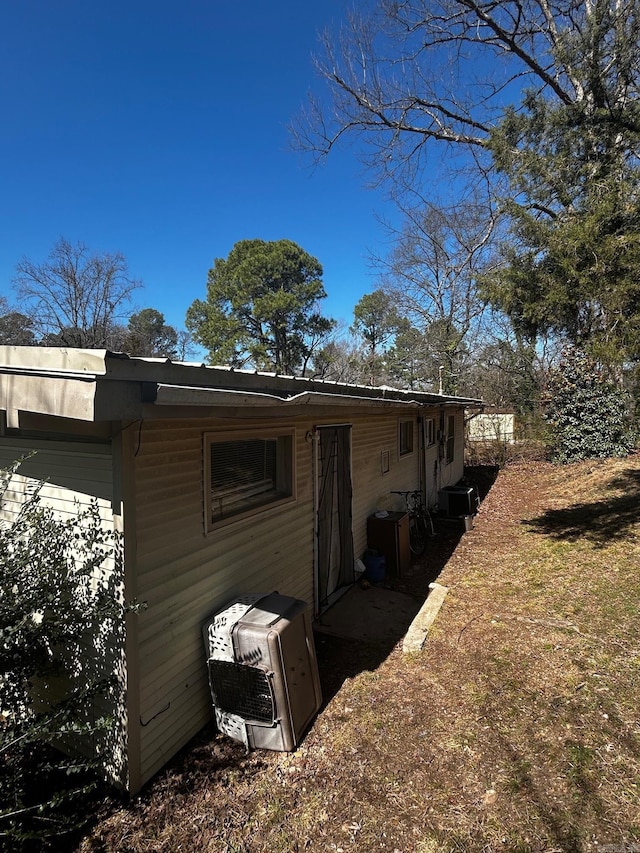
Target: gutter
184 395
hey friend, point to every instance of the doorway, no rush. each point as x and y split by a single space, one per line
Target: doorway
334 536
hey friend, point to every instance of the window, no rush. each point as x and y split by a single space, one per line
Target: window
405 437
430 431
246 472
450 438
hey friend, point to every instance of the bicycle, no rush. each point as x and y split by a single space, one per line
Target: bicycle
420 521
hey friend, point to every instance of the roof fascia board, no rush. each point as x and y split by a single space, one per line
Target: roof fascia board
119 400
75 397
70 397
120 366
53 360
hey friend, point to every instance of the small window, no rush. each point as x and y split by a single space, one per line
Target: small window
405 437
450 438
430 431
246 472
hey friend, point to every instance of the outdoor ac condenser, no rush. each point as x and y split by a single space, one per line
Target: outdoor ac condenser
457 501
263 671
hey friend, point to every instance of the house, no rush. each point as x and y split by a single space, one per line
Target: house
223 483
493 425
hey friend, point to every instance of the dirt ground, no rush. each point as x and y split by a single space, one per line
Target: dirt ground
515 729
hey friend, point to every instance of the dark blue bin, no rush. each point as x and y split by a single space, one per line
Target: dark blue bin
375 567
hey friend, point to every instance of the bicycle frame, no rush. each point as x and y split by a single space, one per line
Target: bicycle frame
420 522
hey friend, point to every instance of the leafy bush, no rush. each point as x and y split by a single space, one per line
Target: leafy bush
60 634
587 415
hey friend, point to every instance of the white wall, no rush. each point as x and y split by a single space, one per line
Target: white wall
491 426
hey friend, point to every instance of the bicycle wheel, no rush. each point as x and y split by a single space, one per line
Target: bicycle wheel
417 535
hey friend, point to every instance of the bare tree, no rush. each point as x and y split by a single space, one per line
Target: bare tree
431 275
536 99
186 347
341 360
405 74
76 297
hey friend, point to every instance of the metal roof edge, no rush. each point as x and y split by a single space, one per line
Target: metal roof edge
54 360
104 364
176 395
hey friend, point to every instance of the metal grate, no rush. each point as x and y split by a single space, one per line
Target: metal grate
242 690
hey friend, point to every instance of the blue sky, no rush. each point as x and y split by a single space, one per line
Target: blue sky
159 129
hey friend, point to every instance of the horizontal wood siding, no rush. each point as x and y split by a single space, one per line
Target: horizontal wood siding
372 488
74 475
185 575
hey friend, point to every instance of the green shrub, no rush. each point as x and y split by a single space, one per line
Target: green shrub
588 416
60 639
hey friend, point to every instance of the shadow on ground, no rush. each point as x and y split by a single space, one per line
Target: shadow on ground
362 629
597 521
211 756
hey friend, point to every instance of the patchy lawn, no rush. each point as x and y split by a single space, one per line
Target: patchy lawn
515 729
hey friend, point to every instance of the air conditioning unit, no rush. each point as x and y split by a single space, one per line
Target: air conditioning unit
263 671
458 501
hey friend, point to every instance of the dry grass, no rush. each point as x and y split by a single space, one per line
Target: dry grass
516 729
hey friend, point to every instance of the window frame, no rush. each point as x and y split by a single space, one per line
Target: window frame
450 439
403 423
285 437
430 431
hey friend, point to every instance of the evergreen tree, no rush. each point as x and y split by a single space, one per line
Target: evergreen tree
262 307
536 102
147 334
375 320
587 415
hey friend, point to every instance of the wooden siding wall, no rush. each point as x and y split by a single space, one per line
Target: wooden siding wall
183 575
